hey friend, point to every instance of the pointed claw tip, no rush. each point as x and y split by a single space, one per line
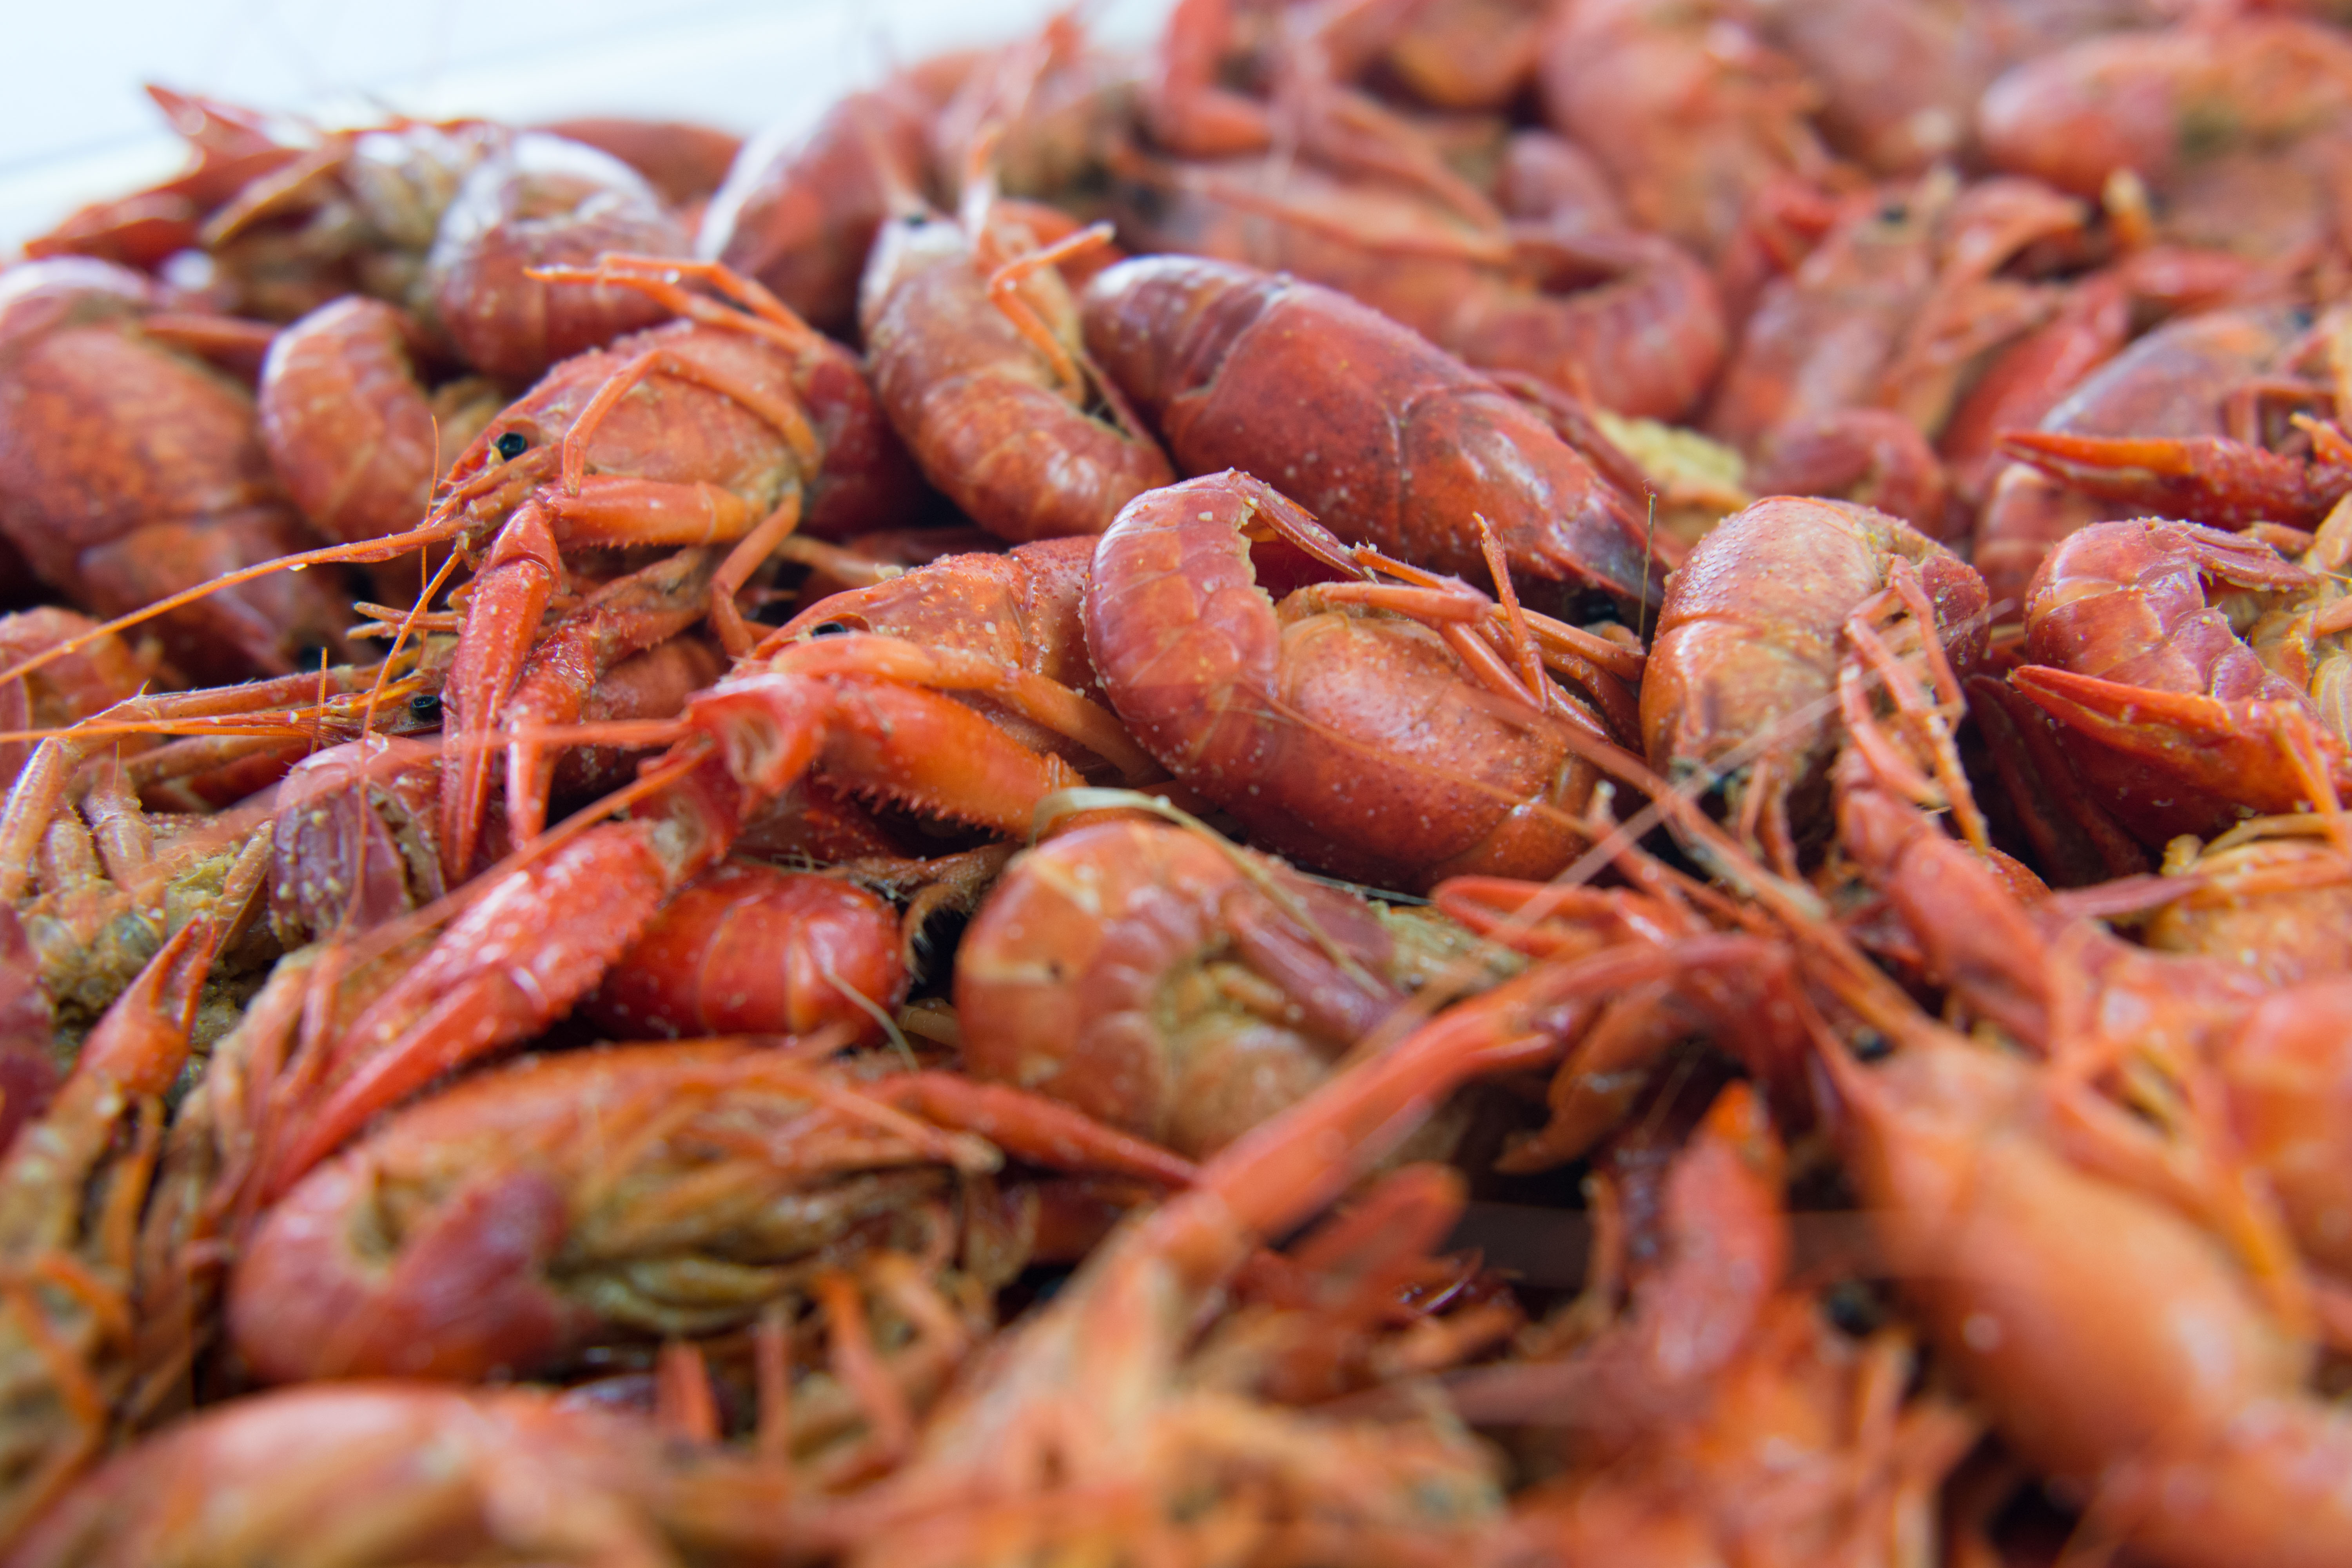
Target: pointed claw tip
2060 451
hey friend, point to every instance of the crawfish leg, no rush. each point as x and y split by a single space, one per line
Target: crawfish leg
624 617
543 936
1189 112
506 968
502 617
501 620
661 278
726 616
779 409
1005 290
1040 1130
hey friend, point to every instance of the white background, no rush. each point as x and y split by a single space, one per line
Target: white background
75 127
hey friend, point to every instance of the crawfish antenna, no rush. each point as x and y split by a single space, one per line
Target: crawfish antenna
383 548
898 188
1649 542
408 623
871 1008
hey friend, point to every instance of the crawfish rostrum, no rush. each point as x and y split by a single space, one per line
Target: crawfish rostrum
1520 782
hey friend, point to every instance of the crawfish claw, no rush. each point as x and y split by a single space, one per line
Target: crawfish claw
2243 751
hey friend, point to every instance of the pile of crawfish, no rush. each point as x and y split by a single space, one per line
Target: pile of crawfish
1425 783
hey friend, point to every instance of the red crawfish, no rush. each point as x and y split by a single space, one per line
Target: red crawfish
2181 382
869 714
727 425
1175 985
2097 319
2235 122
1718 1415
2195 675
130 468
673 1189
1388 439
1744 673
496 1472
1688 110
98 868
72 1183
2180 1342
1893 311
354 432
1387 725
1628 319
800 214
228 147
539 201
1126 1316
352 211
973 343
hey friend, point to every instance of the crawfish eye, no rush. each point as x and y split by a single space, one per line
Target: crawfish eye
512 445
424 707
829 629
1852 1307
